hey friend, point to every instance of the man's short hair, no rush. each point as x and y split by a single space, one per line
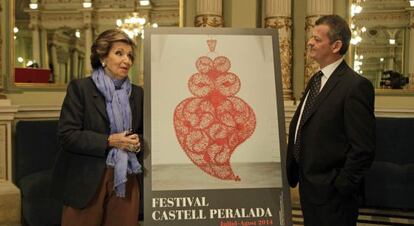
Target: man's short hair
338 30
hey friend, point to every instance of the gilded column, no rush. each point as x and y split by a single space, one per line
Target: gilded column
392 34
278 16
87 20
55 64
391 58
1 44
34 25
44 51
75 64
6 40
209 13
315 9
411 49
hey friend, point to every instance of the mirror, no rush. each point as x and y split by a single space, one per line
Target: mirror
44 53
381 37
52 42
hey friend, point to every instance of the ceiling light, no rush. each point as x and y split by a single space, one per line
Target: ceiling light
355 9
87 4
33 5
412 3
392 41
133 25
77 34
144 2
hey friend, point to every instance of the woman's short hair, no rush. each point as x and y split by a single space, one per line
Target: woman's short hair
338 30
103 43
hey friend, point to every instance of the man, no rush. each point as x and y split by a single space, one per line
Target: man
332 134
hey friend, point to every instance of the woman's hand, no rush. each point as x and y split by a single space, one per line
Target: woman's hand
124 141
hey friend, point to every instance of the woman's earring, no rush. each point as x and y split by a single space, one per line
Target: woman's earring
103 64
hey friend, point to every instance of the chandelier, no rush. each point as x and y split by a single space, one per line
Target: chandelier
134 25
356 31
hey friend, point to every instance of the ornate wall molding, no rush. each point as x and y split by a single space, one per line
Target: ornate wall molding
208 21
279 22
411 25
38 112
113 4
73 4
378 51
55 20
387 18
166 17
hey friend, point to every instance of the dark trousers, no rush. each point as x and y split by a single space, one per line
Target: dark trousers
340 211
106 209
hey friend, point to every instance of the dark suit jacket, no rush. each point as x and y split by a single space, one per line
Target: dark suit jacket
83 133
338 138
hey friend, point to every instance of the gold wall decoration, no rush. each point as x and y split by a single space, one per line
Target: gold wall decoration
208 21
284 26
311 67
279 22
285 46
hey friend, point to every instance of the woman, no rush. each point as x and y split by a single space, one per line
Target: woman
96 172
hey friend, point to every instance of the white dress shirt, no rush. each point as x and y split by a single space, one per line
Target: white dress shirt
327 72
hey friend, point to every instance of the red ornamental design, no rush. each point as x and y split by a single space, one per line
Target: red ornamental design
210 125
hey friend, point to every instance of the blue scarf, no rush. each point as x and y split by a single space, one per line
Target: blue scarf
116 93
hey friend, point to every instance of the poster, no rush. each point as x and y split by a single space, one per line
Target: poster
214 128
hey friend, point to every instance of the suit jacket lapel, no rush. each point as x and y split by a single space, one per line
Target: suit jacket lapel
328 87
